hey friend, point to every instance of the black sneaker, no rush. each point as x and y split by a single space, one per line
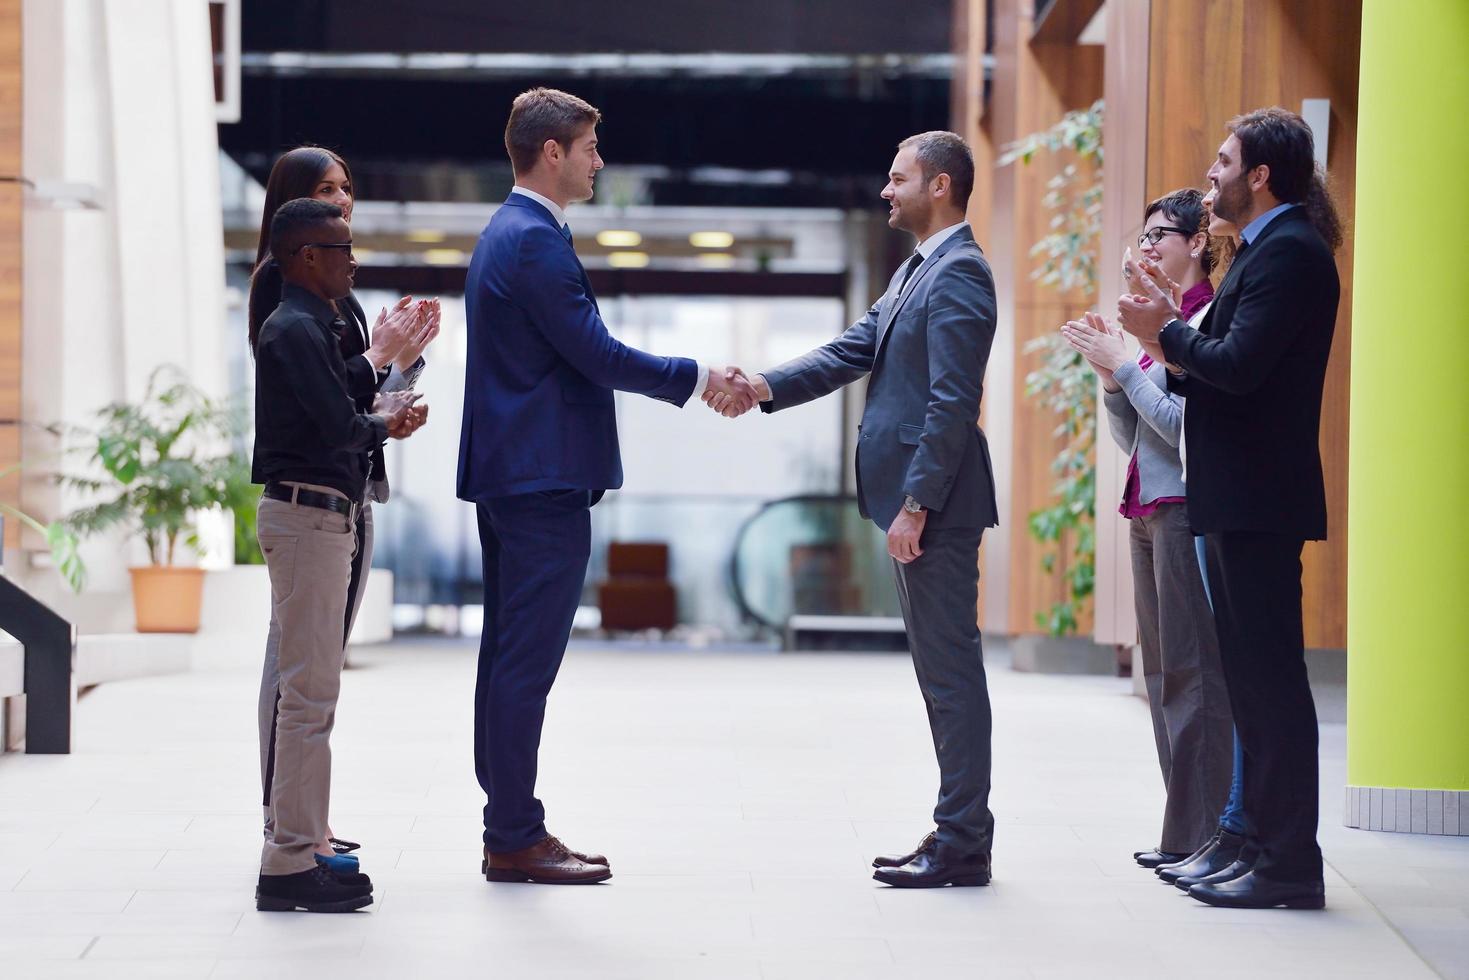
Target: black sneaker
317 890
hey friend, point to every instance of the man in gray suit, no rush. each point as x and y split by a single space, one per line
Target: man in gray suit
924 476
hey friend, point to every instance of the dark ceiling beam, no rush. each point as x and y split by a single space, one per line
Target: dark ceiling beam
569 26
449 281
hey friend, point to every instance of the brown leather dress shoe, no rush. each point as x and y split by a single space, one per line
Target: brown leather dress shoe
898 860
549 862
484 862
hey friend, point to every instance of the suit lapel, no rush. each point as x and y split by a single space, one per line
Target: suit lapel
539 209
895 304
1228 287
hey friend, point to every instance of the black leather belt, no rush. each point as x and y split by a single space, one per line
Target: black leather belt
310 498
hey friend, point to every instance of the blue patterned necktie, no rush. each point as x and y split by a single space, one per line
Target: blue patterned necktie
566 233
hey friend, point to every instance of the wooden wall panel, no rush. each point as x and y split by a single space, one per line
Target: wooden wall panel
1125 138
1034 85
1209 62
11 210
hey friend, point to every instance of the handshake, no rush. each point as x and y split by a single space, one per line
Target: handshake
732 393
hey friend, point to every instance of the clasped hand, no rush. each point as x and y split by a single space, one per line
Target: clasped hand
401 413
731 393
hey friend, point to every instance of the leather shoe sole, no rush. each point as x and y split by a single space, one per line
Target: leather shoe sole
959 879
265 904
516 875
1312 897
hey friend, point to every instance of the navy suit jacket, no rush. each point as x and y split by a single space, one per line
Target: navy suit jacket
541 367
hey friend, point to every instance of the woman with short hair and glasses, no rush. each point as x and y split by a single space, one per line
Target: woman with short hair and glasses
384 359
1187 697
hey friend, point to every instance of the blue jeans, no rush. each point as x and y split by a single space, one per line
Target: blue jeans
1233 819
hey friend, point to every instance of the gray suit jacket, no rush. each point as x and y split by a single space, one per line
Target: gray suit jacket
926 348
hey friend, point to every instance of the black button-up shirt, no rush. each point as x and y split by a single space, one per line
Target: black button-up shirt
308 428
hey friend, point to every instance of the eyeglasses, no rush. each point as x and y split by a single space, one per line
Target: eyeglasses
344 246
1155 235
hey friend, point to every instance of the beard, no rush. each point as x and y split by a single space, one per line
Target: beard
1233 201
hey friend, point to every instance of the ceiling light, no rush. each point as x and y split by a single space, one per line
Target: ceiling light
711 239
619 239
717 260
627 260
445 256
425 236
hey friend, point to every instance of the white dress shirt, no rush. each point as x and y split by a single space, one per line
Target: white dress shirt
558 214
929 245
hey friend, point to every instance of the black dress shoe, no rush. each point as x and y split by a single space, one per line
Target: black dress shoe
1155 857
1238 868
343 846
1222 850
937 867
898 860
317 890
1250 891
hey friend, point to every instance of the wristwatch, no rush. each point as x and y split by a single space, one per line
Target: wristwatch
912 506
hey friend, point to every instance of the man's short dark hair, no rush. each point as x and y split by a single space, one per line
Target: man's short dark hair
296 223
942 152
1281 140
1184 208
544 114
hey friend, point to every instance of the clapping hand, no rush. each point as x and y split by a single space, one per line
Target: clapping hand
730 393
394 330
1103 346
401 413
430 315
1144 314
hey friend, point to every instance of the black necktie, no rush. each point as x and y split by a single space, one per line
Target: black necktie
909 269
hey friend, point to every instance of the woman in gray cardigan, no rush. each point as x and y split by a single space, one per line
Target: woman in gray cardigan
1187 697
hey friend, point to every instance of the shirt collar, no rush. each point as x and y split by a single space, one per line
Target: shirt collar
929 245
313 304
557 215
1252 230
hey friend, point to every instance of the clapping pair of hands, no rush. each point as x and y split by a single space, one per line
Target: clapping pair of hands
732 393
1152 302
401 334
400 337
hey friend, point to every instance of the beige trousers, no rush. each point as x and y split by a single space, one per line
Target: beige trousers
308 552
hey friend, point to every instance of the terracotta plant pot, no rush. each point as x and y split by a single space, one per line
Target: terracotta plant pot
167 599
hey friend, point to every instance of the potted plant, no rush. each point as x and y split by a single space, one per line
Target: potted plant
163 459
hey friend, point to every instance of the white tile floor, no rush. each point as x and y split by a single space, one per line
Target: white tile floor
740 797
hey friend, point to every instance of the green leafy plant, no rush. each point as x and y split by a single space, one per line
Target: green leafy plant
1064 382
62 541
162 460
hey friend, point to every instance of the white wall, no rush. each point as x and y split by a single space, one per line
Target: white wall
118 94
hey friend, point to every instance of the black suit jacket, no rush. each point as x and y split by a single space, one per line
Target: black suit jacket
1255 370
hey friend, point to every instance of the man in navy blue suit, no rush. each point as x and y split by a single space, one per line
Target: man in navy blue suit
537 449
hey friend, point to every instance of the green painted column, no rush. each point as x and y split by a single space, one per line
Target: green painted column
1408 511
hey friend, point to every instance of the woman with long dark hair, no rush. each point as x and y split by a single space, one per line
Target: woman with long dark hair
392 364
